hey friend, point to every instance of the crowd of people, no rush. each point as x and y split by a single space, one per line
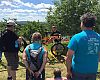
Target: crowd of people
82 56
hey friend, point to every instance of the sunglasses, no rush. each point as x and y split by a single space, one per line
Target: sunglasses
10 26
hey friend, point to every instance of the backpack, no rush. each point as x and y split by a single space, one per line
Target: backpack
1 43
35 64
34 61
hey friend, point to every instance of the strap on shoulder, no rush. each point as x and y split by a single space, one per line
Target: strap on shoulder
29 48
40 49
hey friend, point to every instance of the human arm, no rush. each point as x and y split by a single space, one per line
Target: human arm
69 62
43 64
55 37
72 48
19 41
50 40
24 57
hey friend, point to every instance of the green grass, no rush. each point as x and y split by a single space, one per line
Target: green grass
21 70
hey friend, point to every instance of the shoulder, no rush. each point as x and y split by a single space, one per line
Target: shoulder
58 31
44 50
3 32
27 47
98 34
78 35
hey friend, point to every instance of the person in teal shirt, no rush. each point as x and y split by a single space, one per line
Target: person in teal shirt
83 51
35 58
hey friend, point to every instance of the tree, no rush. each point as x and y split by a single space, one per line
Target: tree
27 29
67 14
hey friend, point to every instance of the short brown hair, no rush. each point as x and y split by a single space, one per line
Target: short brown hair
88 19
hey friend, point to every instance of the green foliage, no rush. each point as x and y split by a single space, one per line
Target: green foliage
67 14
27 29
2 26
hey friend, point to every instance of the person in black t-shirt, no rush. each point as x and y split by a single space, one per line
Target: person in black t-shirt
55 35
10 45
54 31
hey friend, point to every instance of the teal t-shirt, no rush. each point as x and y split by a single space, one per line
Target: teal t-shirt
86 46
35 46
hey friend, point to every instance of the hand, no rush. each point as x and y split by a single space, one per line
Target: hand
31 72
69 75
37 74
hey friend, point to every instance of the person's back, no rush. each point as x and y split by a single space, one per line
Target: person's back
86 54
83 53
35 58
9 39
35 46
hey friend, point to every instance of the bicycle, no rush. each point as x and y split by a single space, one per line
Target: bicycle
57 51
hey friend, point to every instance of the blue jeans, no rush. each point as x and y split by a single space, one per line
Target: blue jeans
79 76
0 54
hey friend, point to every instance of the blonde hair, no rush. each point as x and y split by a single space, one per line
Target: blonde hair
36 37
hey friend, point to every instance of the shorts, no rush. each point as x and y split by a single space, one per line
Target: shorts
12 59
80 76
31 77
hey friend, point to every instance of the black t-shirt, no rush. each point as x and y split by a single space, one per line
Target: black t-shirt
9 39
56 33
1 43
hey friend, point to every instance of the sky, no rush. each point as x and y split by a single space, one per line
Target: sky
25 10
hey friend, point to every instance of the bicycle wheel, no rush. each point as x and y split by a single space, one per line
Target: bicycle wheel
58 49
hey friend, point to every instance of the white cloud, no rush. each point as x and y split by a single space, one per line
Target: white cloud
23 11
35 18
19 1
28 4
7 4
5 10
43 10
23 4
42 5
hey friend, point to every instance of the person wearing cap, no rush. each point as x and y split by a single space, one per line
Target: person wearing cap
10 48
83 51
36 59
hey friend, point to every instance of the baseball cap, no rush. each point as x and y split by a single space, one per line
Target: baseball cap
11 22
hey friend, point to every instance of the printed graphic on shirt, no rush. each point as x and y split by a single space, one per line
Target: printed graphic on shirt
93 45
